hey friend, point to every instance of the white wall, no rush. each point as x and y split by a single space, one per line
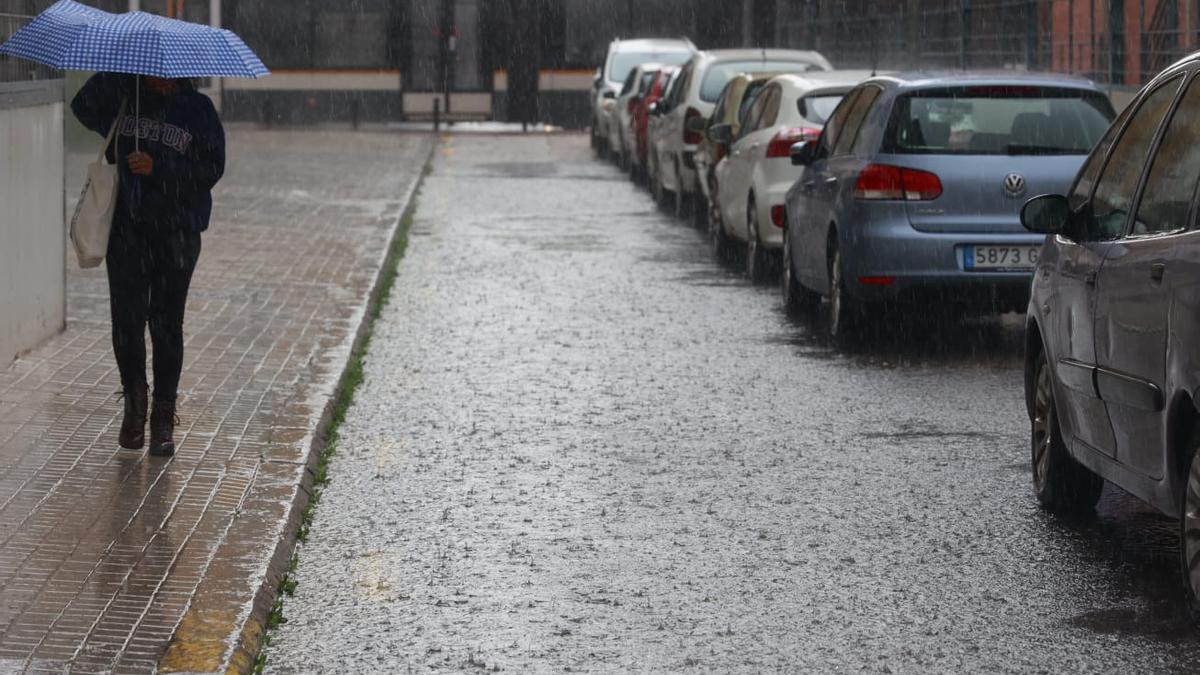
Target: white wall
32 233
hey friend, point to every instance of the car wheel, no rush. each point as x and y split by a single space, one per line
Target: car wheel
1189 531
657 188
1060 483
841 311
680 197
756 254
722 243
797 300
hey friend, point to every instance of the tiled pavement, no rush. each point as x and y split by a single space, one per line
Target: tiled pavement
114 561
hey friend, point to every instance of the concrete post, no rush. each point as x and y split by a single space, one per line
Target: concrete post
214 20
135 5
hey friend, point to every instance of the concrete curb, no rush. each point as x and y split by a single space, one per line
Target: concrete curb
192 647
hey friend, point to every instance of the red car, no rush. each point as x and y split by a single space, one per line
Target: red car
641 116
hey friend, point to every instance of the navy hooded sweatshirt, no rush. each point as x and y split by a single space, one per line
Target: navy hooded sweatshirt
182 134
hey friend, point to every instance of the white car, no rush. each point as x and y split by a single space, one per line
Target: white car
684 115
620 131
753 180
623 56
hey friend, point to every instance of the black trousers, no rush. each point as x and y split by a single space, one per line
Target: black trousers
149 272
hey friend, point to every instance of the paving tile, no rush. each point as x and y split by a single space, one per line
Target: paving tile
109 555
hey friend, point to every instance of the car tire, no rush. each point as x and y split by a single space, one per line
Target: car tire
722 243
680 197
797 300
756 253
657 189
842 313
1061 484
1189 530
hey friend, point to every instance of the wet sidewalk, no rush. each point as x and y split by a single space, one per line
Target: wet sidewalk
111 560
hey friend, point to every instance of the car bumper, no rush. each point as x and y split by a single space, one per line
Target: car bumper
775 194
893 262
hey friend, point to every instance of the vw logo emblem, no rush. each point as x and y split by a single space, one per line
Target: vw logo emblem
1014 184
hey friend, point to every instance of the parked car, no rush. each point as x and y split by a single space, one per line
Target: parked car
641 118
656 139
753 180
1112 359
913 191
622 57
685 113
620 133
731 107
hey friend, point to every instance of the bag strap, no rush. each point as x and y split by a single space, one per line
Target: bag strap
112 132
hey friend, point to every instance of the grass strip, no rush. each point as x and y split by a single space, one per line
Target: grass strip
352 377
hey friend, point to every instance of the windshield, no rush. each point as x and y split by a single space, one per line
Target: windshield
817 109
623 63
998 120
719 74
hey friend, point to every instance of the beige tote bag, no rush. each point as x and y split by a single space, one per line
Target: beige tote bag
93 217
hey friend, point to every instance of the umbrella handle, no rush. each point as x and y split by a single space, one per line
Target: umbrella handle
137 118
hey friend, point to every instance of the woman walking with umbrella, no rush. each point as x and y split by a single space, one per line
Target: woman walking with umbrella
169 153
163 204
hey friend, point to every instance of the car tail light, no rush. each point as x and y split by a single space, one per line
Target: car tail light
781 144
691 137
876 281
779 215
882 181
721 152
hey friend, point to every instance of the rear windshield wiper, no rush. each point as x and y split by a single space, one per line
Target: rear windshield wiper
1017 149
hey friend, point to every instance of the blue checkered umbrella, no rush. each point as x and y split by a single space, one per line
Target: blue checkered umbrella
71 36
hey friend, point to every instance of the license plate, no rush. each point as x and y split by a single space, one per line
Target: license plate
1000 257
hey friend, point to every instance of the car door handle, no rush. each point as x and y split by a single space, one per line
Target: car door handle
831 181
809 185
1156 271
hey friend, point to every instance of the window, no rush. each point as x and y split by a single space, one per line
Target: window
748 98
627 86
854 120
998 120
1174 171
719 73
624 63
818 108
1082 189
771 108
1118 181
833 128
755 113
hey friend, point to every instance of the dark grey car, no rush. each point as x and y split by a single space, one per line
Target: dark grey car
1113 337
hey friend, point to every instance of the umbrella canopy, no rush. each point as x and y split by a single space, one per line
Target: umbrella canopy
72 36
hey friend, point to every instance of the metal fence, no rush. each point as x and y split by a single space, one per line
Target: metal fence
1119 42
13 15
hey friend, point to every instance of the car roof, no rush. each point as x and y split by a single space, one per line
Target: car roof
651 44
950 78
799 55
822 79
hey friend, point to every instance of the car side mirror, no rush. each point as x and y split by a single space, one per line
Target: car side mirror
1046 214
609 93
802 153
696 125
721 134
655 108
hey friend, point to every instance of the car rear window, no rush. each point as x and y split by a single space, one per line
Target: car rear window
719 74
623 63
817 109
998 120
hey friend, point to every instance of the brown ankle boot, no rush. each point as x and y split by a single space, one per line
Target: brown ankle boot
133 425
162 428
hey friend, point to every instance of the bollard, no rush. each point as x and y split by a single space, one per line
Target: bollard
437 115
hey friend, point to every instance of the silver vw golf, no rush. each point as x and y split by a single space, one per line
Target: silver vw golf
1112 370
914 188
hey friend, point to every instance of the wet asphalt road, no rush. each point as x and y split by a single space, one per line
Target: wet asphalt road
584 445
